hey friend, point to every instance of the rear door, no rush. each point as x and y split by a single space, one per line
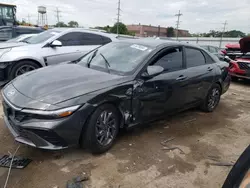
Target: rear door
200 72
74 45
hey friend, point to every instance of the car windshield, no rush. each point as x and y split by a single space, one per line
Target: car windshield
42 37
117 57
16 39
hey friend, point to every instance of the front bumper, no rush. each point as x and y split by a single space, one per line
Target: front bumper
4 72
50 134
29 138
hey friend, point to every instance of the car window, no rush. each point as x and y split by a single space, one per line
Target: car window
208 57
92 39
194 57
42 37
213 49
172 60
106 40
205 47
80 39
120 57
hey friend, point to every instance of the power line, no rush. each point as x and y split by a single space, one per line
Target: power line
178 24
222 34
118 16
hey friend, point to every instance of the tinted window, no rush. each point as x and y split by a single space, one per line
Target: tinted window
172 60
79 38
194 57
106 40
92 39
208 58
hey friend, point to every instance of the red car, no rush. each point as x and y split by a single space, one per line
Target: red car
240 65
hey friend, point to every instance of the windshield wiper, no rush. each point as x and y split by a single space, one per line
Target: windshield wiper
106 63
91 58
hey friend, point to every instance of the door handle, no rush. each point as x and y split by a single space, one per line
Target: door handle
181 78
210 68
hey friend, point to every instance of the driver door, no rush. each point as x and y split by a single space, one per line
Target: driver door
163 93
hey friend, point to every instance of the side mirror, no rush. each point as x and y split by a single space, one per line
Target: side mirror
152 71
56 43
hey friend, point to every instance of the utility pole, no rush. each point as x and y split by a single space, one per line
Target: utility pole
29 18
178 24
222 34
118 15
58 15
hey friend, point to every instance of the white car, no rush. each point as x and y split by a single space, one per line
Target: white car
48 48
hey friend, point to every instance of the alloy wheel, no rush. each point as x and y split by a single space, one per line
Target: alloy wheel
23 69
213 98
105 128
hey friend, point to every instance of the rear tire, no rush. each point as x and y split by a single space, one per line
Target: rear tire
212 99
21 68
101 129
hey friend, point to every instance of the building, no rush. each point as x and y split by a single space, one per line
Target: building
150 31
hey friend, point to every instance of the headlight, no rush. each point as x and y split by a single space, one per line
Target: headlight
3 51
55 113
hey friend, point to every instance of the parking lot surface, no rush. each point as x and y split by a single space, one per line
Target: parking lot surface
140 157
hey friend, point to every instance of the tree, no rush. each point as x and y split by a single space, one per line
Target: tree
121 28
170 32
73 24
232 33
61 24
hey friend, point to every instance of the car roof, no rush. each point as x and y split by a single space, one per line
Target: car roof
153 43
113 36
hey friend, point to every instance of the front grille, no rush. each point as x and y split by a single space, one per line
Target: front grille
49 136
243 65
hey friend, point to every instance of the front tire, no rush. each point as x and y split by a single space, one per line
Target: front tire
21 68
212 99
102 129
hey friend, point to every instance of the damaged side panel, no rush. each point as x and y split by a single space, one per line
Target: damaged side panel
121 97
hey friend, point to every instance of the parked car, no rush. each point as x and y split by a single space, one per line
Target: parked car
119 85
240 65
214 50
21 38
232 51
9 32
48 48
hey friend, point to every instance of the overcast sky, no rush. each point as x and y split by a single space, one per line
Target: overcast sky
198 15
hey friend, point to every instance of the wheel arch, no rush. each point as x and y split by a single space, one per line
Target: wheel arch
28 59
111 102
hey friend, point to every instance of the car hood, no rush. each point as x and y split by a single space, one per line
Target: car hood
4 45
245 45
58 83
234 46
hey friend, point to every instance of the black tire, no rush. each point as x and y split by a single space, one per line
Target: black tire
16 68
234 79
90 139
214 93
